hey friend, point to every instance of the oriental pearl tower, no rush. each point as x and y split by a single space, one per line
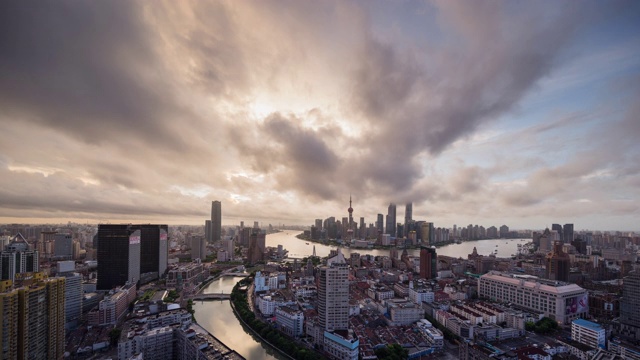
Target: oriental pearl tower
350 230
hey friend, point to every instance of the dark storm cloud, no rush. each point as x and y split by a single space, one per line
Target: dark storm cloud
85 68
306 162
61 193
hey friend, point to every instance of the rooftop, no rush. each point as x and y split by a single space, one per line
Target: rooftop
588 324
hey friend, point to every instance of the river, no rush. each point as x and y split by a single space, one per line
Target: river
299 248
218 318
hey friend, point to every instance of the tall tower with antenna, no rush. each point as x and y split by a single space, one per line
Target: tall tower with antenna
350 228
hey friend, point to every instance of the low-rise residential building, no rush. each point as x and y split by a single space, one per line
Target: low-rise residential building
466 313
420 294
290 320
113 307
588 333
380 292
341 344
182 276
268 303
404 312
624 349
433 335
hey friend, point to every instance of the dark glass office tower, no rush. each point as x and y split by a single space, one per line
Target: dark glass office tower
154 248
567 233
118 255
391 220
408 217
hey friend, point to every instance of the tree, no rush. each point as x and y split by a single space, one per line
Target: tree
392 352
114 336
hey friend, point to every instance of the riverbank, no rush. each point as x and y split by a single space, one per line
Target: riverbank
270 336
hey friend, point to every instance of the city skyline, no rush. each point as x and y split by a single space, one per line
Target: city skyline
488 113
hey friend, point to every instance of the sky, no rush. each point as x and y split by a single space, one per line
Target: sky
524 113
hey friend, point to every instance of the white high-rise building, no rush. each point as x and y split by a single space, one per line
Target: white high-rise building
333 309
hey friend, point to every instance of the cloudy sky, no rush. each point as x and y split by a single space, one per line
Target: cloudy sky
487 112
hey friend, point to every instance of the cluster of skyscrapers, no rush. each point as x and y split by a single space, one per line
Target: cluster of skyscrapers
383 230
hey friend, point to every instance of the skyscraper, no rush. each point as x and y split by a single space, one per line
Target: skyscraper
567 233
118 255
332 331
207 230
428 262
333 294
558 228
427 233
198 247
216 221
154 248
380 224
408 217
558 264
17 258
391 220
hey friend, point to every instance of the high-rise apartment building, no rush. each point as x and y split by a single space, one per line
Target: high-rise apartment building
629 305
216 221
391 220
408 217
33 317
428 262
18 258
154 248
118 255
10 318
